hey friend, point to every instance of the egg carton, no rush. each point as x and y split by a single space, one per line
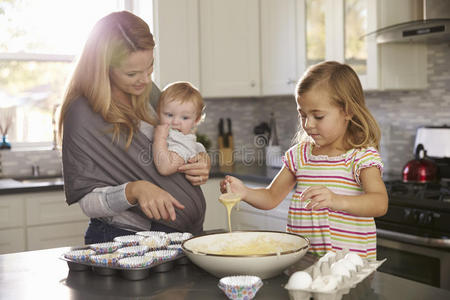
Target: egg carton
331 277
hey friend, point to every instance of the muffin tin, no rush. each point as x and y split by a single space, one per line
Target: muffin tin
131 262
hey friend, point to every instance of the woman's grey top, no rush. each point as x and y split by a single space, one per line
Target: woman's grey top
93 163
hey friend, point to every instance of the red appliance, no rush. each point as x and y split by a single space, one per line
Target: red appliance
421 169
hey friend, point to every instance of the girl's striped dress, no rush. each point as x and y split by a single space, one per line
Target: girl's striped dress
327 229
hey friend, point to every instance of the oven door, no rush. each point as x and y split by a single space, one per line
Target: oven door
409 258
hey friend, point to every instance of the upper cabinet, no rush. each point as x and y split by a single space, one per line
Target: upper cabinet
236 48
176 33
229 48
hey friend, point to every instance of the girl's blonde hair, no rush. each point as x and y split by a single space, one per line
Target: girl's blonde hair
182 91
344 88
112 39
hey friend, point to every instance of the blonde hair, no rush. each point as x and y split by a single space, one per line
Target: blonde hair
183 92
344 88
112 39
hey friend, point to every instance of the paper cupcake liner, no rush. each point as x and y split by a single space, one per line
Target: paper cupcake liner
155 243
133 250
152 233
175 247
240 287
109 259
80 255
129 240
162 255
179 237
135 262
108 247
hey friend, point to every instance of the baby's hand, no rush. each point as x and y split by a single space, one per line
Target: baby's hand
161 131
236 186
318 197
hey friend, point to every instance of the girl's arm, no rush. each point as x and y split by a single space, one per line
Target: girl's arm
263 198
167 162
373 203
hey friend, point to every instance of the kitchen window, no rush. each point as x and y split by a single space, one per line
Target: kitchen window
38 44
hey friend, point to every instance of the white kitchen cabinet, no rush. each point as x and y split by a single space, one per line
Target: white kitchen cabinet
229 48
176 33
32 221
215 217
282 48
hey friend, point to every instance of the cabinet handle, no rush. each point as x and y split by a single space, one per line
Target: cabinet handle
252 83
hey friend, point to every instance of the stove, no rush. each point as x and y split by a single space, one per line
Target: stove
415 232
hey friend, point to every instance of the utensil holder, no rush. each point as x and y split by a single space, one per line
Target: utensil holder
226 157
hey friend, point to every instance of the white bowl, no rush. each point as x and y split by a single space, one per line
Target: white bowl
203 251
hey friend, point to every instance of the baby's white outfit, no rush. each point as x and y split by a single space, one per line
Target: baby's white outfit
185 145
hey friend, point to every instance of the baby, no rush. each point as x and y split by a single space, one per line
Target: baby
180 110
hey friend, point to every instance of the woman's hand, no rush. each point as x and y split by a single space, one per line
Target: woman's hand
320 197
155 202
197 169
236 185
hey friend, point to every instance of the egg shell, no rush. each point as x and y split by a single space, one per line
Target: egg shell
340 269
355 259
299 280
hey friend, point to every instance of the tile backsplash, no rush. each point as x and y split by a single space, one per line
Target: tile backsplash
19 164
399 114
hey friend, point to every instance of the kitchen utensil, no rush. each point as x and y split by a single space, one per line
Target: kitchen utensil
229 134
202 251
221 134
420 169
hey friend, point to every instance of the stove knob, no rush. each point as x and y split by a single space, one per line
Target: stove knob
407 214
421 217
429 219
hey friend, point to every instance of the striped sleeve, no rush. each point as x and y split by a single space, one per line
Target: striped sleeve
365 159
291 158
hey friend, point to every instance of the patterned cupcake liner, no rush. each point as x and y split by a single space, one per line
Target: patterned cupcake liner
129 240
108 247
240 287
135 262
179 237
152 233
162 255
155 242
109 259
133 250
175 247
79 255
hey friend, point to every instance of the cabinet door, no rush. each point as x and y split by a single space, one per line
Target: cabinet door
215 217
51 207
176 32
12 240
11 211
229 47
57 235
278 47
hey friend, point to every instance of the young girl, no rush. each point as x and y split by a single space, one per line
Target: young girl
180 110
336 166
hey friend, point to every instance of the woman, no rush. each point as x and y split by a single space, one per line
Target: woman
107 125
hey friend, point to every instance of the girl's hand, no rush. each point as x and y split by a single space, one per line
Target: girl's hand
161 132
236 185
197 169
155 202
320 197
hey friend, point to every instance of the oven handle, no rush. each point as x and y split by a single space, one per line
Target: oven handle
418 240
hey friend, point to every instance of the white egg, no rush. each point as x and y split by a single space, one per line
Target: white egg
355 259
348 264
340 269
325 283
299 280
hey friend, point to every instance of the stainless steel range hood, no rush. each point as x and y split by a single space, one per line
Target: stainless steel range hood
433 27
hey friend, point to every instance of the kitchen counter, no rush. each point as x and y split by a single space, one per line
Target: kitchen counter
30 185
42 275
